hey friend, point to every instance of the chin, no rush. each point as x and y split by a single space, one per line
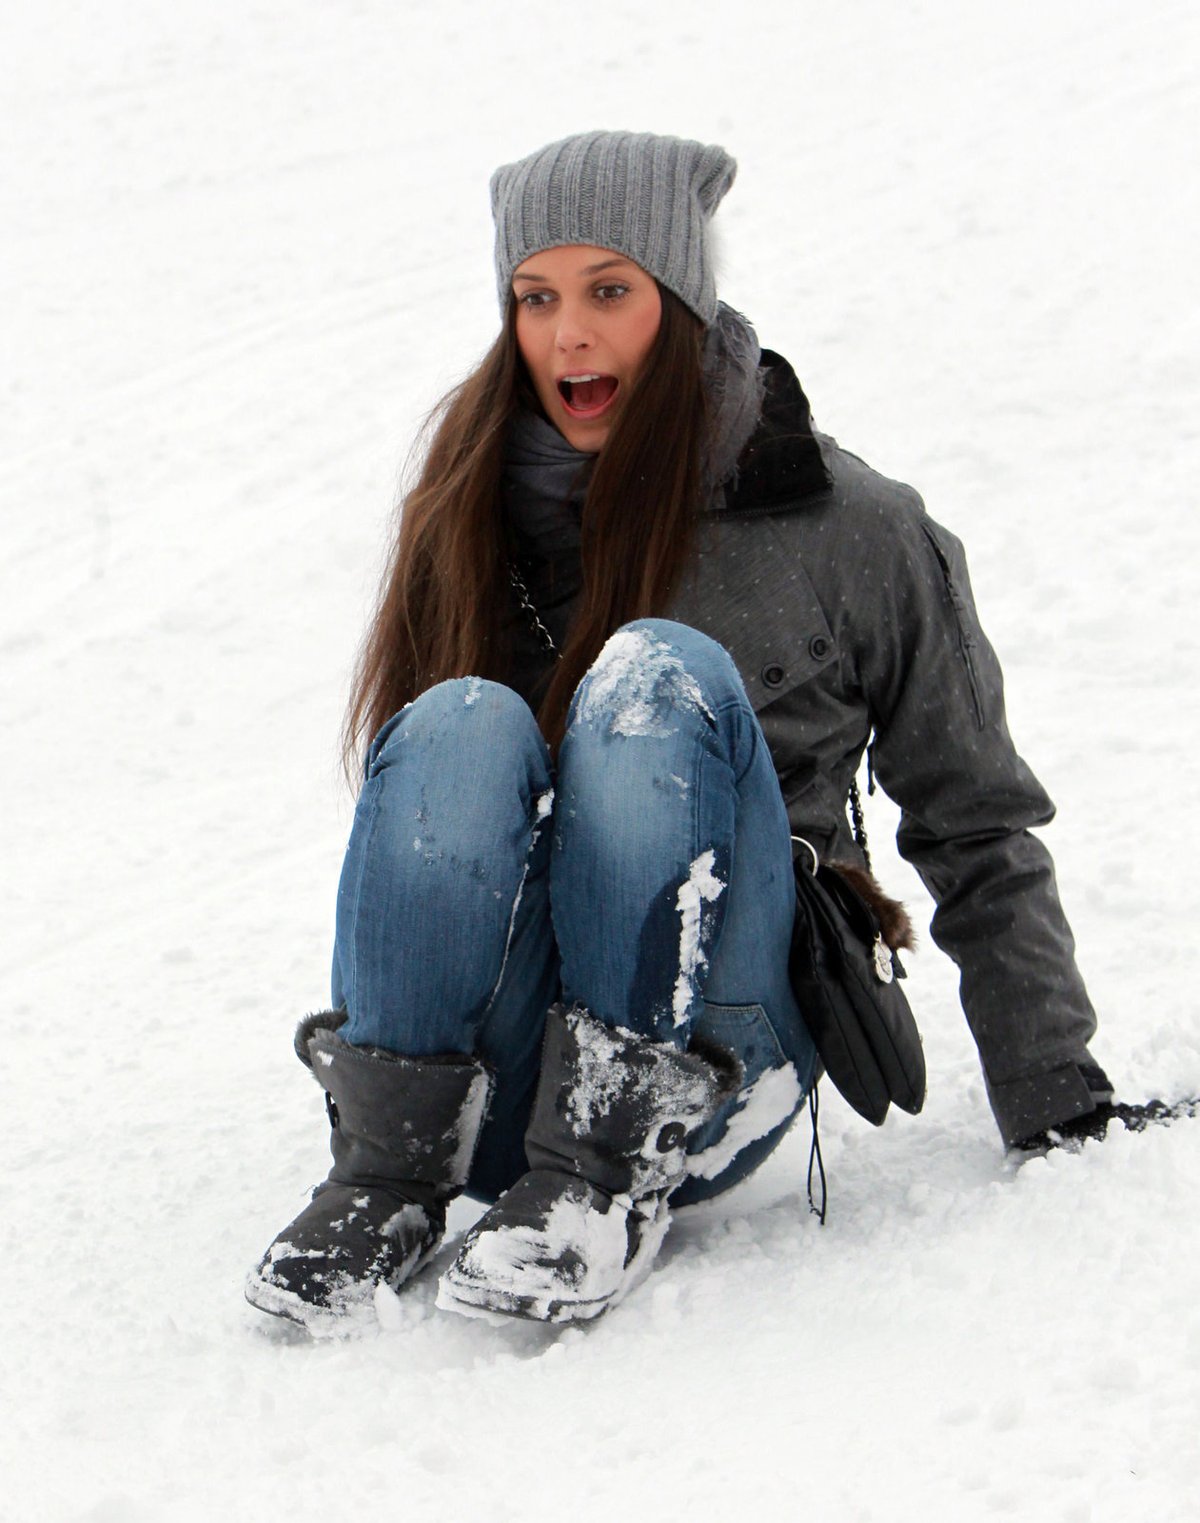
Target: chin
588 441
590 438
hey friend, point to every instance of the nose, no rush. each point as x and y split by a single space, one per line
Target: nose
574 331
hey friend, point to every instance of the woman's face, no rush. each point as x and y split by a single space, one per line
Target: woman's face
586 320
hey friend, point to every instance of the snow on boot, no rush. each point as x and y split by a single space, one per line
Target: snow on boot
606 1145
403 1135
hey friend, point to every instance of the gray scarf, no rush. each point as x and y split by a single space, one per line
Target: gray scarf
546 480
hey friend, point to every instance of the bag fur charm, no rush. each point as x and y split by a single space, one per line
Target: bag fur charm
845 975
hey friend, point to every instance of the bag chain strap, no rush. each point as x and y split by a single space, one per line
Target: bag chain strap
527 604
860 824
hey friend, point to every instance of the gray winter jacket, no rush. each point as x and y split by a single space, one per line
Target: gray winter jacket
849 614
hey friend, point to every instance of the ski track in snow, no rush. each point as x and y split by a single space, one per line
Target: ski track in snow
245 249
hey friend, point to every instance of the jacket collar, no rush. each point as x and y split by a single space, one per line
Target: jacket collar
782 462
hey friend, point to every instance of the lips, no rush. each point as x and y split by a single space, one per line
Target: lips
587 394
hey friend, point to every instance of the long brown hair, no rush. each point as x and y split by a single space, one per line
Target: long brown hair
446 581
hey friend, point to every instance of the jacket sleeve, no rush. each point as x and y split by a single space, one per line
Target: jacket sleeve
942 751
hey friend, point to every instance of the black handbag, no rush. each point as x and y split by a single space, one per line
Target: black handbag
845 975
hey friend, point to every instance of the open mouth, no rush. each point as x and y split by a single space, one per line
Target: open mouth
587 395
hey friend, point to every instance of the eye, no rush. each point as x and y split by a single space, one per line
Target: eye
613 291
534 299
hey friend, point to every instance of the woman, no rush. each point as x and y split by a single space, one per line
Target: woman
626 526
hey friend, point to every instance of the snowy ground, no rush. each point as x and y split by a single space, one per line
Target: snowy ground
245 247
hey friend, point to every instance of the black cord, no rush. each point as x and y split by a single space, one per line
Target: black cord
814 1156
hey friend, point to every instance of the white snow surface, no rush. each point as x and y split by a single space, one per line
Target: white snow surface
245 249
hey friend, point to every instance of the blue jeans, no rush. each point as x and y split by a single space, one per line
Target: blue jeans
649 880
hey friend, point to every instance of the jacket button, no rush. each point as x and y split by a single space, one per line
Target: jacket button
672 1136
818 647
772 674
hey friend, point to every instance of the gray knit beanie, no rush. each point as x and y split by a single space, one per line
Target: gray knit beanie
647 197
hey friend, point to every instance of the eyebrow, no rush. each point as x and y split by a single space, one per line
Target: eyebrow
591 269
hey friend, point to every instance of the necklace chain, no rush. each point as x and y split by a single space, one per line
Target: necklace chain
535 618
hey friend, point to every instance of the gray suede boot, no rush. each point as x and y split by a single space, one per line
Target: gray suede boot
606 1146
403 1136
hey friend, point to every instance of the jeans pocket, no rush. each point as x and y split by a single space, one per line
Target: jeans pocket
746 1032
749 1126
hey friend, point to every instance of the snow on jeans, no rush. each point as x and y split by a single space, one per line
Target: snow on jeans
650 881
